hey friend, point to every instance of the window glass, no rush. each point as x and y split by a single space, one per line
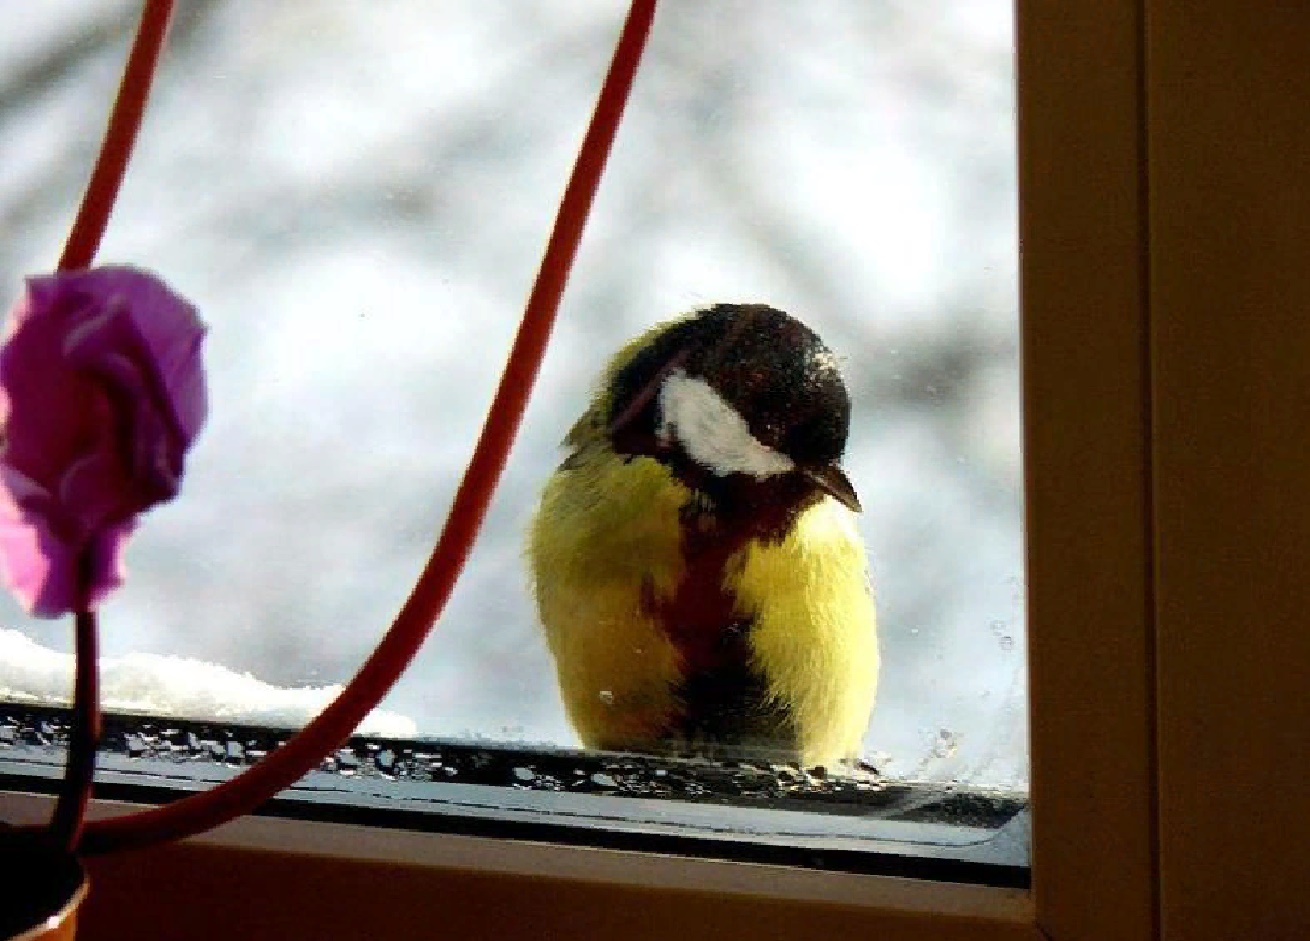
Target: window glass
357 195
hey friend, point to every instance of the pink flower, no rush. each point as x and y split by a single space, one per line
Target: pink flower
101 393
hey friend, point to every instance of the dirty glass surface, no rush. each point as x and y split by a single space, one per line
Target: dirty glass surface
356 196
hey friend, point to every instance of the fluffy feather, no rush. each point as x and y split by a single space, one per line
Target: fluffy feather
609 549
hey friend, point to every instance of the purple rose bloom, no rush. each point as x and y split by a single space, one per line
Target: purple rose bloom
101 393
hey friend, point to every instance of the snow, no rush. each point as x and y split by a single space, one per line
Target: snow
174 687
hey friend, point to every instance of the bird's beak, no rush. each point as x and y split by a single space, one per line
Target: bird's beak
832 480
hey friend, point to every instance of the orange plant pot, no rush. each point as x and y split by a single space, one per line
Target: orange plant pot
43 888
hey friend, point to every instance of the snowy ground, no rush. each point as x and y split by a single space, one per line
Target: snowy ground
151 684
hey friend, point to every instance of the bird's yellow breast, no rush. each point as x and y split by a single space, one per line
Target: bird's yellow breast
607 538
813 628
606 531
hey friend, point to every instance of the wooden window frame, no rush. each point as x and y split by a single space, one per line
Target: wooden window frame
1129 285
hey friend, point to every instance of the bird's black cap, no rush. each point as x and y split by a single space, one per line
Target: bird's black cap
774 370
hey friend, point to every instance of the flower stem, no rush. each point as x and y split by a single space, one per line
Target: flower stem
334 725
83 736
124 122
79 251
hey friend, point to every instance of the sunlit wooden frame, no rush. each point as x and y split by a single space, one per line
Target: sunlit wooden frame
1084 333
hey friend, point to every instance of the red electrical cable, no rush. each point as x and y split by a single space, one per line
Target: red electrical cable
329 729
116 149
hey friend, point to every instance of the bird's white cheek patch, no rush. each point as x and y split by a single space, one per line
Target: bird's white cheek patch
711 431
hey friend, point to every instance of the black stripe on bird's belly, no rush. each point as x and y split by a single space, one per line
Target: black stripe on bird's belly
728 714
723 708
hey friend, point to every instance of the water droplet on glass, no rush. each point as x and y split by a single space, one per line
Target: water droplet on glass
947 744
1006 642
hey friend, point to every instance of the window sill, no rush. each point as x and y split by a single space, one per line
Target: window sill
333 880
333 859
747 813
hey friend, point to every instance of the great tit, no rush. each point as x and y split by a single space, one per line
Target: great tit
695 558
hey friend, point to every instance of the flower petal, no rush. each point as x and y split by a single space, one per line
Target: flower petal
168 327
107 569
37 565
101 393
141 432
47 407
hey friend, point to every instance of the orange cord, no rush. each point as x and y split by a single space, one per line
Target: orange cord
332 727
116 149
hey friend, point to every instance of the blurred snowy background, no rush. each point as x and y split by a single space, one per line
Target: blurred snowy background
356 194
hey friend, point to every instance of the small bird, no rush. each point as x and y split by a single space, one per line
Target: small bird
695 559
